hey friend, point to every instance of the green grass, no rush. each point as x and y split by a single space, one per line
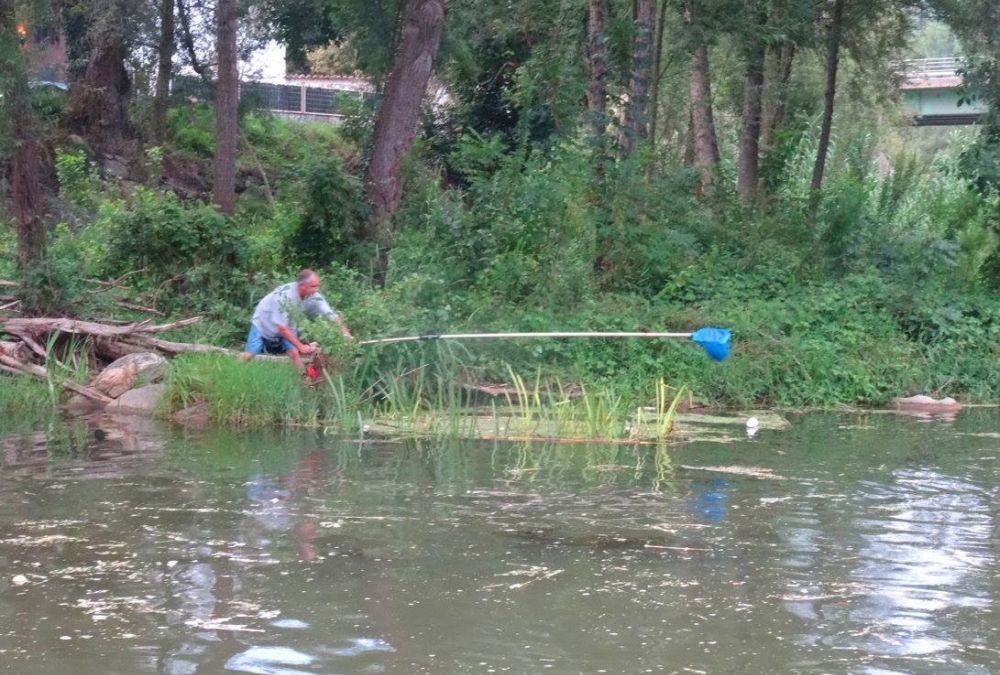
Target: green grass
254 394
26 395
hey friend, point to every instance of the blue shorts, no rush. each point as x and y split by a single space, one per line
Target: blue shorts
256 344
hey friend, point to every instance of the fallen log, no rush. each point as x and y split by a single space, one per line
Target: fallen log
38 326
30 343
174 348
137 308
148 343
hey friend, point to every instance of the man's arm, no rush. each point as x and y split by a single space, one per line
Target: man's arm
344 330
320 307
286 333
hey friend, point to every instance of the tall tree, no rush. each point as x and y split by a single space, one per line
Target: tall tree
226 102
397 117
98 32
834 35
637 110
753 82
977 24
164 69
777 74
597 67
654 95
706 145
187 40
22 151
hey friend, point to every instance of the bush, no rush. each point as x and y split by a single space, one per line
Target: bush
192 129
167 237
332 218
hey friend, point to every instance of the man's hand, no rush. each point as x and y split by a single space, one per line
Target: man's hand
307 349
346 332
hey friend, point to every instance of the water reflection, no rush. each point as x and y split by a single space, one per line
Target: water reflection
906 583
926 560
292 553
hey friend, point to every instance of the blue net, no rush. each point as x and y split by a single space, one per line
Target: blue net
715 342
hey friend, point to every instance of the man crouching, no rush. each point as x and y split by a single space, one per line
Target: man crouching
272 329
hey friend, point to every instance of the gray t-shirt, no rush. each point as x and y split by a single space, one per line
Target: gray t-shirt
274 308
316 305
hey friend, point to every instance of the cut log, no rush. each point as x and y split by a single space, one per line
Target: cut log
128 372
15 350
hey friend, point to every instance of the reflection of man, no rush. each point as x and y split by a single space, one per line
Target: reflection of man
272 329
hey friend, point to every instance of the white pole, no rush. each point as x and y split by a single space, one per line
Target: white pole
501 336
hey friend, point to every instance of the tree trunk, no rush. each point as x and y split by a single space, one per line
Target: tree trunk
25 161
226 100
187 39
706 147
98 94
832 62
164 70
397 118
637 111
654 96
753 82
777 73
597 62
689 157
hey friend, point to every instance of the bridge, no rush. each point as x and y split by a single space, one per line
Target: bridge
931 92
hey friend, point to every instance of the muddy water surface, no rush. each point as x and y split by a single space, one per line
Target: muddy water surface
862 543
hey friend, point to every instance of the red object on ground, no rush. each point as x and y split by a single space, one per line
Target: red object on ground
311 372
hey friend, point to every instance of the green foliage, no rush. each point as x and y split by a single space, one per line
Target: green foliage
169 238
49 104
77 179
333 215
192 129
23 396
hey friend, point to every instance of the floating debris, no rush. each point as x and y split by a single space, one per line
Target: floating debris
752 471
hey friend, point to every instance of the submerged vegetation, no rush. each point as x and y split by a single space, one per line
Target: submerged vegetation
422 401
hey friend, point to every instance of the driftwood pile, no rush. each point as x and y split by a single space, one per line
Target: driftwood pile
34 345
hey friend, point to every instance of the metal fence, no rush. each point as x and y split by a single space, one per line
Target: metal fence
282 99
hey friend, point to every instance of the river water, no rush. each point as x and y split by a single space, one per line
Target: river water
848 543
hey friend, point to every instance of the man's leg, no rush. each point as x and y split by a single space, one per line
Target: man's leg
292 352
255 344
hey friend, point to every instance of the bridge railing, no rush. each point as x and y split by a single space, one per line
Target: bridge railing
932 68
296 101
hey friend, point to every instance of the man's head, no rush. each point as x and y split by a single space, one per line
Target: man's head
308 283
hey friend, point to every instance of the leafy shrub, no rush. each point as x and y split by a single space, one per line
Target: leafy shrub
333 215
77 178
192 129
167 237
186 257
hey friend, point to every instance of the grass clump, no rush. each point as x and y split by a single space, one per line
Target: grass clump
253 394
